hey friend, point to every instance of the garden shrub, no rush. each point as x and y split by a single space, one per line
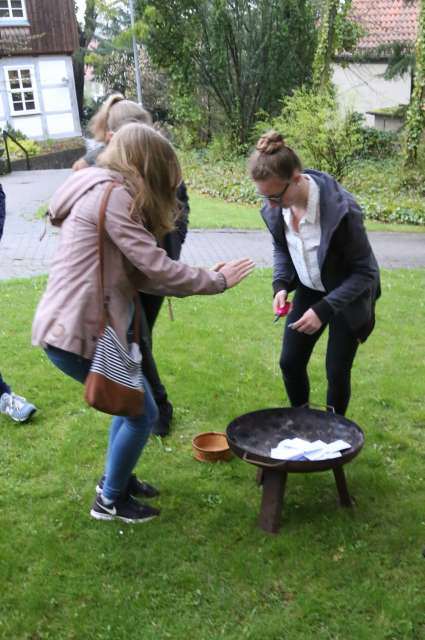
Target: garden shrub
379 189
376 185
226 179
375 143
32 147
323 136
364 158
188 122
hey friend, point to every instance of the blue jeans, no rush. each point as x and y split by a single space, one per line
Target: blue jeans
127 436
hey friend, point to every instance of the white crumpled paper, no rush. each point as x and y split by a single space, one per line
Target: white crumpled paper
299 449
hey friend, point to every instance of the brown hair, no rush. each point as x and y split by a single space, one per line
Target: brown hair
273 158
151 172
115 112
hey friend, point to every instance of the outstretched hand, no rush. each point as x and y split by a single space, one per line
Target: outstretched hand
235 270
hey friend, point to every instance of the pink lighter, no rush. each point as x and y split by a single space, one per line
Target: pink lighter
283 311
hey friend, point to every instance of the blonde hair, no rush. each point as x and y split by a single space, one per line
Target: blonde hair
273 158
115 112
151 172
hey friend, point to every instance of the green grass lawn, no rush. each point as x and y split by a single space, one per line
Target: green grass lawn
203 570
214 213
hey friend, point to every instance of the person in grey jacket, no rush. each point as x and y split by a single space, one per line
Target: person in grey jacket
322 253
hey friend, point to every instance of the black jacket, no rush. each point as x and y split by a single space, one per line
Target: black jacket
348 268
173 241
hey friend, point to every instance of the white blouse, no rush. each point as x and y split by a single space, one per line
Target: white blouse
303 246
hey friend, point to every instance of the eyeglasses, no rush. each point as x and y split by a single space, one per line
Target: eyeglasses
274 197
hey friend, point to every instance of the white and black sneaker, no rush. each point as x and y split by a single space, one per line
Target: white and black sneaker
16 407
136 488
126 509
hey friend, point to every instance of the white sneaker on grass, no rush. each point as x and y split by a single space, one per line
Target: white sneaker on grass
16 407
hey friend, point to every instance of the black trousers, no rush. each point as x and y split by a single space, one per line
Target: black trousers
151 306
298 347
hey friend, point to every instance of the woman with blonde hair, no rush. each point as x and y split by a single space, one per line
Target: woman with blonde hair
115 112
321 251
140 211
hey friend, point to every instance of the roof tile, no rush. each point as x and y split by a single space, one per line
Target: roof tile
385 21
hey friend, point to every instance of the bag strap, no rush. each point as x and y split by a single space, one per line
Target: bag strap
105 319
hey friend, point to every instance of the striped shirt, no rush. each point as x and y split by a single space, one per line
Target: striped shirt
303 246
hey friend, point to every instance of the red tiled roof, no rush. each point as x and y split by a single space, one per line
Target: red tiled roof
385 21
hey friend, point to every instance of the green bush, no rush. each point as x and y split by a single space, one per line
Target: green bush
378 144
31 147
382 191
191 130
226 179
15 151
325 138
16 133
375 143
379 185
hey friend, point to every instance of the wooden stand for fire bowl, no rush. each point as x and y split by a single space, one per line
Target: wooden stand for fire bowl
253 435
274 485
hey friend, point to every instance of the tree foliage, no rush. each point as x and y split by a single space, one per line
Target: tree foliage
112 56
401 59
244 55
415 120
325 46
337 34
112 59
85 35
325 138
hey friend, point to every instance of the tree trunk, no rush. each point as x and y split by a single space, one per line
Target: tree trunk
325 47
415 120
85 37
78 66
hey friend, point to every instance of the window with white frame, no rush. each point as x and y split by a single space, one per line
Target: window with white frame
21 90
12 10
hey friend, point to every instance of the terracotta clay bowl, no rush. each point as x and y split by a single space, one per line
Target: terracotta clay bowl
211 446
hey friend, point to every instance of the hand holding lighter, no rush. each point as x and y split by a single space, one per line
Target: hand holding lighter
283 311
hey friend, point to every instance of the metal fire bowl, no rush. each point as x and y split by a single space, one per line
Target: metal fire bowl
253 435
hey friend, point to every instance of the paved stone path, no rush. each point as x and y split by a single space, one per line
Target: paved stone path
22 254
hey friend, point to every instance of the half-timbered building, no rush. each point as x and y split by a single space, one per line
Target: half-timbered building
37 90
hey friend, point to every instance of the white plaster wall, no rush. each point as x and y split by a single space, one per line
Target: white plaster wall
56 99
52 71
31 126
61 124
362 88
